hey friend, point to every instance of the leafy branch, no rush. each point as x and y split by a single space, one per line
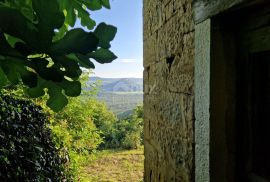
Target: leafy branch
32 51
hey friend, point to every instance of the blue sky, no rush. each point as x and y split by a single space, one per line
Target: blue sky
126 15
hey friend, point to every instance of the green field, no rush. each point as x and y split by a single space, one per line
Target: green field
115 166
120 102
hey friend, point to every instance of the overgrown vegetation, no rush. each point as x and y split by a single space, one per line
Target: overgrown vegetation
27 150
86 126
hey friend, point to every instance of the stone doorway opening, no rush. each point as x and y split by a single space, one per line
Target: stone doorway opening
231 95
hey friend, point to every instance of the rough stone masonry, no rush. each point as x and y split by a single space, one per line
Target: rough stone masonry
168 90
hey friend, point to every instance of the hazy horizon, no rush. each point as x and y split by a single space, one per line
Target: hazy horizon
112 77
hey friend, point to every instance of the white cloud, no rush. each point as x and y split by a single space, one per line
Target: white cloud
128 60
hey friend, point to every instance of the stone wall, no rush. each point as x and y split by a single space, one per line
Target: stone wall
168 90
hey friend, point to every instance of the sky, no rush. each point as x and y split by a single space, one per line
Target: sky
126 15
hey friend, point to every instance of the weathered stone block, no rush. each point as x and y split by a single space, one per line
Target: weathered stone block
168 90
150 52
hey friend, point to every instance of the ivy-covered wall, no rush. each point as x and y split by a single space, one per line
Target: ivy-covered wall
168 90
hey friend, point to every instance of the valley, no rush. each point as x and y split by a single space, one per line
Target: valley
121 95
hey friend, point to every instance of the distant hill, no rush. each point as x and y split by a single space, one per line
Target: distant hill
121 95
119 84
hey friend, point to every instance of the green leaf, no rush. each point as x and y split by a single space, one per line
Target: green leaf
72 69
29 78
12 40
93 5
11 73
15 68
57 100
85 61
71 16
60 33
69 7
49 18
15 24
6 49
86 20
106 3
3 78
72 89
103 56
105 34
38 91
35 92
75 41
52 73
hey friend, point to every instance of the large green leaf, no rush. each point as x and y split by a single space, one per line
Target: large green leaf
81 7
72 88
28 78
57 100
105 34
15 68
85 61
84 15
76 41
103 56
49 18
85 19
15 24
72 69
70 13
48 73
93 5
37 91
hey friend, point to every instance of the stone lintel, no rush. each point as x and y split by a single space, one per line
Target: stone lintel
204 9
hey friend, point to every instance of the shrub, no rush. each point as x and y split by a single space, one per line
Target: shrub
74 125
132 140
27 152
74 129
126 133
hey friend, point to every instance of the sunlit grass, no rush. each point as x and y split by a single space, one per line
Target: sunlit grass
114 166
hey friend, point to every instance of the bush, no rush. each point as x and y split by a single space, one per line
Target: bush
132 140
27 152
74 125
127 133
75 130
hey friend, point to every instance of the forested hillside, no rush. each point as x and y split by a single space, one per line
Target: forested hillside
119 84
121 95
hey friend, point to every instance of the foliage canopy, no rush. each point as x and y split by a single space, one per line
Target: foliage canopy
37 48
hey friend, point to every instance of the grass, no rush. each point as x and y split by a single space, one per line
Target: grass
115 166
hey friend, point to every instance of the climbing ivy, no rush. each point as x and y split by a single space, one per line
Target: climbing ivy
37 48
